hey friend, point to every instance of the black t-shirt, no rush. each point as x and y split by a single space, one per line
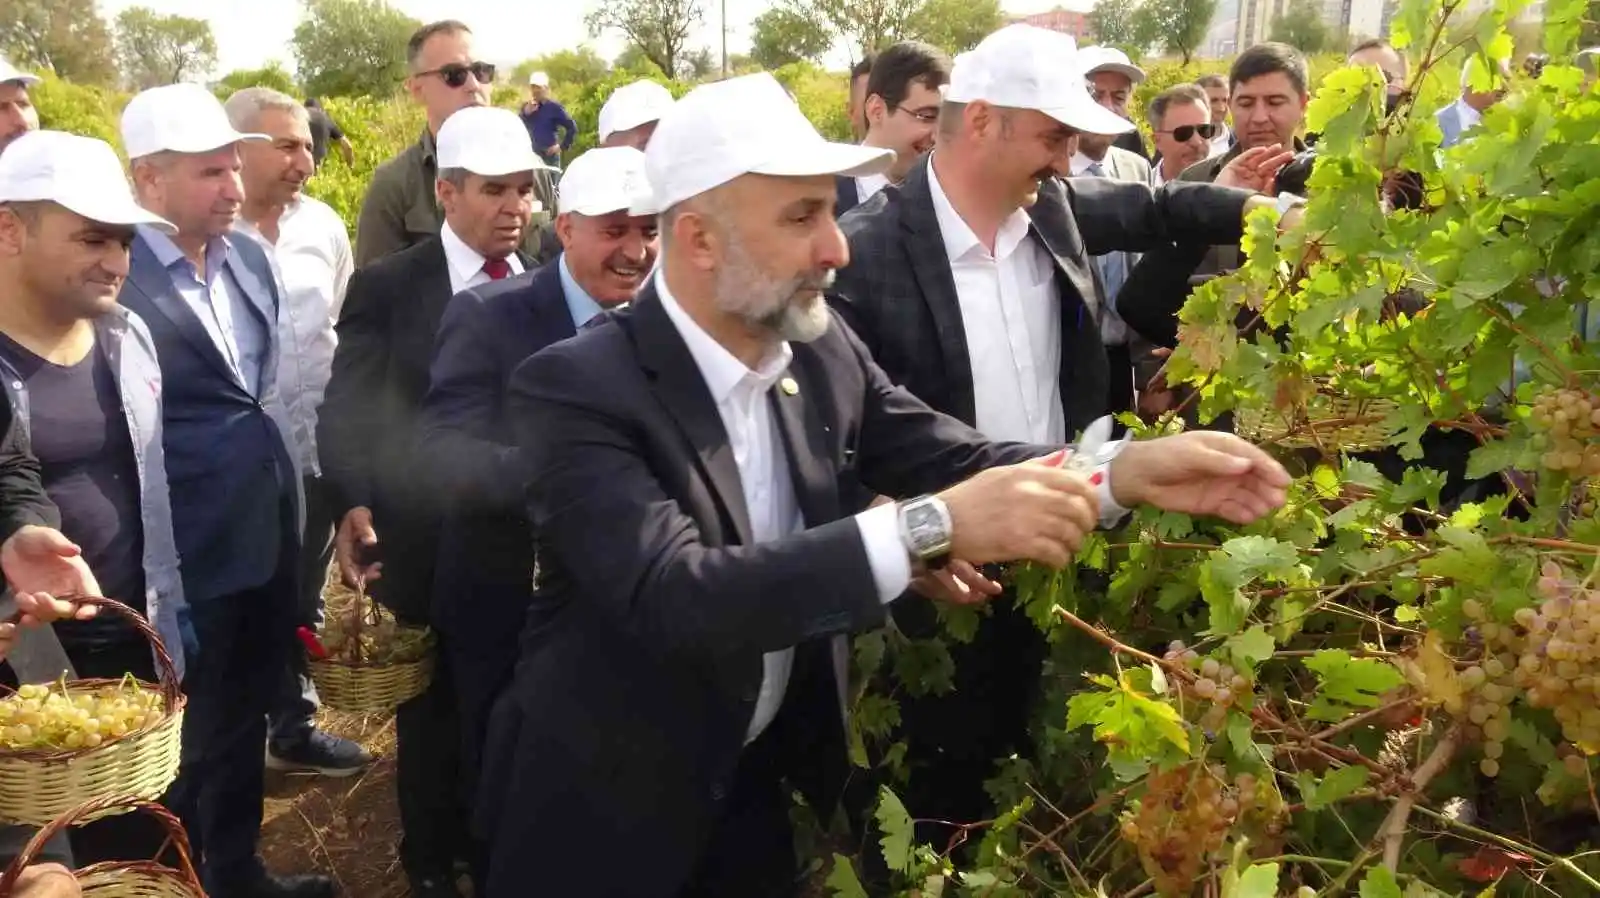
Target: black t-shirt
80 436
323 130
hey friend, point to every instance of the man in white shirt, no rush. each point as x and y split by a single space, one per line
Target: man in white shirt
1467 111
1216 88
309 249
902 114
17 115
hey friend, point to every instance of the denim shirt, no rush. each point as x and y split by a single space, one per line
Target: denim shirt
132 355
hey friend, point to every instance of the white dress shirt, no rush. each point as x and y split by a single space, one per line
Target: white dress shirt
312 263
868 187
466 263
1011 312
1222 141
742 398
223 309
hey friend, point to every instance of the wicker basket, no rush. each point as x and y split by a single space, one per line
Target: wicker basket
119 879
1331 421
38 786
361 686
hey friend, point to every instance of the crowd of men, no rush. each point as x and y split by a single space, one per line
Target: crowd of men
738 391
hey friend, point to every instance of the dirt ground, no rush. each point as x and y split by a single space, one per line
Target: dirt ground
347 828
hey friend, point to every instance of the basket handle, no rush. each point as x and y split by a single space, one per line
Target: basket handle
176 837
166 673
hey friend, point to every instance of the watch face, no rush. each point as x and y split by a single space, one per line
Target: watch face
925 526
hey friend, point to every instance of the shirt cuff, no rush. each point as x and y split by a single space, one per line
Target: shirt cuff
886 551
1110 512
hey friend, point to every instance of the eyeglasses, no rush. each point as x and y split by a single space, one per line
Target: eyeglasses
455 74
925 116
1185 133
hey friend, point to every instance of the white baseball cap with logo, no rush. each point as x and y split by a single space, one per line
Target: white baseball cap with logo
1027 67
180 118
80 174
1109 59
607 180
10 74
632 105
539 79
487 141
746 125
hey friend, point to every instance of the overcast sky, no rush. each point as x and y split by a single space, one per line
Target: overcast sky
252 32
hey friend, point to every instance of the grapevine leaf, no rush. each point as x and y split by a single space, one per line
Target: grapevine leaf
1174 525
1348 681
960 621
1245 748
1250 648
895 823
1131 722
1178 592
1258 881
1380 883
979 879
842 880
1238 563
1337 784
1493 457
1533 743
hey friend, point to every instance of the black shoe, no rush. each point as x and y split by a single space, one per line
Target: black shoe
320 753
269 886
433 887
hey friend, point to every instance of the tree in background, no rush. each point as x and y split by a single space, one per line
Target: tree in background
272 75
781 35
659 28
348 48
698 65
581 66
636 62
155 49
955 25
1301 26
1177 26
1116 23
868 26
67 37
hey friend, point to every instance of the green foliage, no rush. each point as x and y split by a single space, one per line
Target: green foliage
67 37
155 49
781 35
569 69
1178 26
1116 23
822 96
352 48
1302 26
77 108
955 25
658 28
378 129
272 75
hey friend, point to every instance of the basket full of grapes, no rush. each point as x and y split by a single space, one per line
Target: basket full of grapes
119 879
74 741
364 660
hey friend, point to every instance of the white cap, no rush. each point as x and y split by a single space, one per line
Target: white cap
540 79
182 118
745 125
1109 59
607 180
1025 67
632 105
486 140
78 173
10 74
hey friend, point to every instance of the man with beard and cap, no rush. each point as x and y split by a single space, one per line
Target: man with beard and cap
211 302
607 225
682 661
17 115
972 285
369 432
902 113
630 114
310 253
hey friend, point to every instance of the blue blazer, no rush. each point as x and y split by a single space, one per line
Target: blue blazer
231 476
467 445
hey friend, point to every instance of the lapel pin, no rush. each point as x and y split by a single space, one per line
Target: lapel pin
789 387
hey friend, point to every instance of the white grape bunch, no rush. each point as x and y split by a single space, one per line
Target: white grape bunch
37 716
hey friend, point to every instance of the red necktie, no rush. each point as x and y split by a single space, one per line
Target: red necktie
496 269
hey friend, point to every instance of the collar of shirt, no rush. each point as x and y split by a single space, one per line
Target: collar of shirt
168 253
1081 163
719 368
1468 116
466 263
1156 176
580 304
868 187
959 240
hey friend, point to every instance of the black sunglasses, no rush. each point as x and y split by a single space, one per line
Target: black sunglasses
1183 133
455 74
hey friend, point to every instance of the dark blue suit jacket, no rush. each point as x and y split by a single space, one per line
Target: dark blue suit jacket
229 471
485 565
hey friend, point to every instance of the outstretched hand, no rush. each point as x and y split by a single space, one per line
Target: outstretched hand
41 564
1255 169
1200 473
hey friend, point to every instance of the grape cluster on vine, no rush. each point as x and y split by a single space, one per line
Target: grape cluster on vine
1183 818
1570 419
1216 683
41 717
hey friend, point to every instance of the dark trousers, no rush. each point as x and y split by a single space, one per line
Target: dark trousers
427 777
245 640
290 721
751 851
1120 397
481 664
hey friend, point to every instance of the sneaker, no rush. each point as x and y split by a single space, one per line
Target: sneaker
321 753
435 887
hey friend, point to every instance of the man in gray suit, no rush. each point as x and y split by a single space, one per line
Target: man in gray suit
210 301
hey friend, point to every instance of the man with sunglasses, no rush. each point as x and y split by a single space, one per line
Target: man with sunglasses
902 113
400 208
1180 119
